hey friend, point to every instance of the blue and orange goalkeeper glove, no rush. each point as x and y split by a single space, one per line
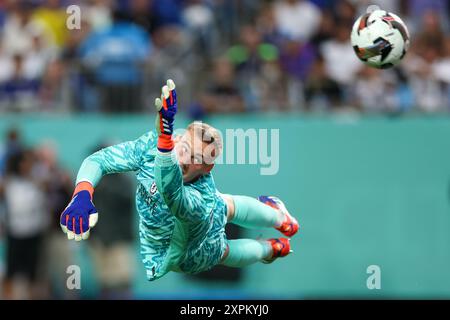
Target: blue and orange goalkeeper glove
166 108
80 214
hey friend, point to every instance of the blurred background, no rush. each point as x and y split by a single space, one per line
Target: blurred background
364 153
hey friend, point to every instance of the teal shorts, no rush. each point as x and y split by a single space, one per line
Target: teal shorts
187 258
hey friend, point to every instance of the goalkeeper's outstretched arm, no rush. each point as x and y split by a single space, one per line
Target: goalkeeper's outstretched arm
119 158
81 215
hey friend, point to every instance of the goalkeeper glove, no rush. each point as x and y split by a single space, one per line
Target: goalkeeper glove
166 108
80 214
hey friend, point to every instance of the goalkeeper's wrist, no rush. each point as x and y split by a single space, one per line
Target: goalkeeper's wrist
84 185
165 142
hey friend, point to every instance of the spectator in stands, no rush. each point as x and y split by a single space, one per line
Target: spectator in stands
98 14
13 144
442 65
424 64
375 90
221 92
116 57
431 33
341 63
152 15
249 57
429 91
417 8
3 13
198 17
18 92
43 66
174 56
167 13
297 59
322 93
140 12
326 29
273 87
345 12
54 91
20 29
24 57
297 19
52 17
26 223
266 24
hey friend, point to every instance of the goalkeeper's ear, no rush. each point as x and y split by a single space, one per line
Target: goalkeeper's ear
177 138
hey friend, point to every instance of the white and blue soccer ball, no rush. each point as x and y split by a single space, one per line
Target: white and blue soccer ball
380 39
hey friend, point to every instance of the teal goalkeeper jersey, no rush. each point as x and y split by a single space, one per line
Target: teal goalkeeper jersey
181 225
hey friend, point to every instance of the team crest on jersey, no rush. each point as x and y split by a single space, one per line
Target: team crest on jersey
153 188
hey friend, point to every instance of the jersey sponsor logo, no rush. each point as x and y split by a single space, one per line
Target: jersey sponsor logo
153 188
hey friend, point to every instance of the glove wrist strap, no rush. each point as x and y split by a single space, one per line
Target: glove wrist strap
84 185
165 142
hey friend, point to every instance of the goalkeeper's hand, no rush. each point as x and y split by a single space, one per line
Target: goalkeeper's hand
80 214
166 107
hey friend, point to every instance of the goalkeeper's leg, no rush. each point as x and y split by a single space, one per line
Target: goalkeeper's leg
244 252
267 212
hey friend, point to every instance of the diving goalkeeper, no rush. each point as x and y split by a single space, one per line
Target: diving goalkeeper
182 214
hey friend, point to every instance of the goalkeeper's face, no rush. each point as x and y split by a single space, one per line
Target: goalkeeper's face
195 156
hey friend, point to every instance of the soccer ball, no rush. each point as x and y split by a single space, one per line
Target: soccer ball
380 39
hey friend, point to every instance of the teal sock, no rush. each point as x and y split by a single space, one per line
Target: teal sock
251 213
244 252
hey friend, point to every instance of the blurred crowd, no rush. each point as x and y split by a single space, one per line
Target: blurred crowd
34 253
225 55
